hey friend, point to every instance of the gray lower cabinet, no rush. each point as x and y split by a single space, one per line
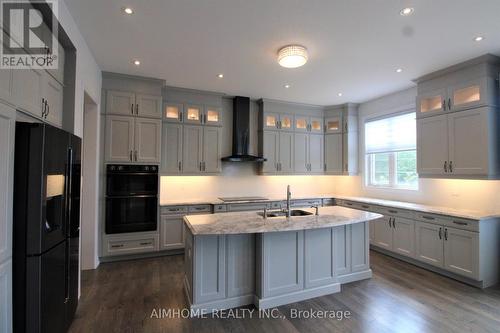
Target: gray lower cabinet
429 243
342 249
282 263
360 247
129 243
209 268
319 269
240 252
171 155
404 236
333 154
132 140
171 232
382 236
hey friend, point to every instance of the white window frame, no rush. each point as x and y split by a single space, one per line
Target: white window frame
369 162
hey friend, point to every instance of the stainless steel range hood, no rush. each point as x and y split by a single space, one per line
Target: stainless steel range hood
241 132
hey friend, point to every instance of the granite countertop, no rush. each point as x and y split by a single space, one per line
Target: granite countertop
460 213
253 222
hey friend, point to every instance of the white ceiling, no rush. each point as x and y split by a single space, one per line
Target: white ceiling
354 46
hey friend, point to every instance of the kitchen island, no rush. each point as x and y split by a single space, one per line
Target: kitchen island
236 259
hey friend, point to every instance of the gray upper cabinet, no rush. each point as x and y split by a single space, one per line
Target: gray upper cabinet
316 153
286 153
132 104
468 85
212 150
119 139
53 92
459 145
147 140
278 121
133 140
301 153
270 149
333 154
173 112
172 148
193 114
148 106
120 103
308 124
279 150
333 124
6 84
212 116
27 85
192 149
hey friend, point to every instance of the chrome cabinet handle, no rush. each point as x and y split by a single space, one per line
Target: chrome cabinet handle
43 107
180 116
117 246
48 109
135 154
449 103
137 109
460 223
131 155
428 217
204 166
445 234
146 243
444 105
200 167
394 222
440 233
451 166
132 108
445 166
180 165
390 219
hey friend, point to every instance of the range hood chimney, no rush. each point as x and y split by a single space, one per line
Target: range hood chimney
241 132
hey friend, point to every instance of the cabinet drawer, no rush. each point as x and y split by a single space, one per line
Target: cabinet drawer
131 246
200 209
276 205
306 203
397 212
247 207
465 224
166 210
329 202
431 218
220 208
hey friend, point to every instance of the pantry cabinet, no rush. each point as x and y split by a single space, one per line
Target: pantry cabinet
461 144
133 104
132 140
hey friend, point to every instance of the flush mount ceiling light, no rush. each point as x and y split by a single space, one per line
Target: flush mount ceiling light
339 94
220 76
128 10
287 86
399 70
137 62
406 11
478 38
292 56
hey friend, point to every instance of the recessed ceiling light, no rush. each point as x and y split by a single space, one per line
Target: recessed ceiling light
220 76
292 56
287 86
478 38
339 94
128 10
137 62
406 11
399 70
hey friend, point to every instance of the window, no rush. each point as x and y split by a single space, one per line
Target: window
391 155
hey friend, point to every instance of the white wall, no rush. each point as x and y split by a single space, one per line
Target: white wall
481 195
88 73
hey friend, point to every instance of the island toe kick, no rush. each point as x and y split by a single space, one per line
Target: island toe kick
269 269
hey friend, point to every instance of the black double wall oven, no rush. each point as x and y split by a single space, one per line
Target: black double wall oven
131 198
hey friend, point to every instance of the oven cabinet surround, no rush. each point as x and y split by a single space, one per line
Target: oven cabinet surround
341 139
464 249
192 132
132 140
457 121
133 127
274 268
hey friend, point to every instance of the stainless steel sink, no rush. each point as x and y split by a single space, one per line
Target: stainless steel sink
293 212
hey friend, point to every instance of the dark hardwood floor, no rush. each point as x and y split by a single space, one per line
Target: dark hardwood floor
120 297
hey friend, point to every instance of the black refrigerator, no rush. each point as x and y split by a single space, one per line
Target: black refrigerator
46 228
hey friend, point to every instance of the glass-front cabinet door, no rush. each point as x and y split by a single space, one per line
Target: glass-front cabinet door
431 102
301 123
213 116
271 120
193 114
333 124
467 95
286 122
316 125
173 112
